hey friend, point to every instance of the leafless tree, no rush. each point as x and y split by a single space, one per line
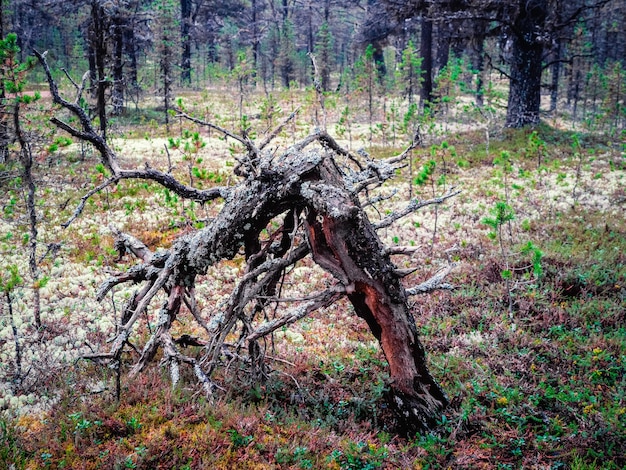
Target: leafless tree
316 192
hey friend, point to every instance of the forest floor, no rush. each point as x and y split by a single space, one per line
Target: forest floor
535 382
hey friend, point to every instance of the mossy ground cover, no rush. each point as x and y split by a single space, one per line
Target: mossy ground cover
534 362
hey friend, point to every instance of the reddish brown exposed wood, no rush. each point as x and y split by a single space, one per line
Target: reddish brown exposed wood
347 245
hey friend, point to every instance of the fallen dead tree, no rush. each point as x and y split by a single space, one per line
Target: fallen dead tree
317 192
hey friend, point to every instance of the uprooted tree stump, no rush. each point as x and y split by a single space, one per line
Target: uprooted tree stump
317 191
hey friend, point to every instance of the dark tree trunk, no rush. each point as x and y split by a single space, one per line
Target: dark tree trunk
526 67
185 26
211 49
26 156
444 31
325 52
479 63
93 72
426 51
346 244
255 41
310 41
117 95
286 65
130 45
98 44
556 75
379 61
166 78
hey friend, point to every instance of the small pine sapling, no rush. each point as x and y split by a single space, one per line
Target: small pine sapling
502 214
504 162
409 75
411 129
536 148
536 255
343 125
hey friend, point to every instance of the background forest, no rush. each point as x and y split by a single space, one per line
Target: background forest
507 122
571 51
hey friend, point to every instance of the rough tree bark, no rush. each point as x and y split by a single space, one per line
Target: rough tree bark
526 67
556 75
185 27
117 93
98 44
130 46
317 192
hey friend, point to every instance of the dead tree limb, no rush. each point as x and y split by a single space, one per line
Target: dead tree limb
314 200
434 283
108 156
413 206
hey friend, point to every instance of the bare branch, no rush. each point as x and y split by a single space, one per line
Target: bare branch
143 303
398 158
249 163
278 129
135 274
242 140
69 77
109 158
88 134
434 283
79 88
317 84
495 67
169 159
401 250
323 299
167 315
380 198
168 181
413 206
332 144
190 302
164 179
377 173
83 200
405 272
72 130
576 14
298 147
172 354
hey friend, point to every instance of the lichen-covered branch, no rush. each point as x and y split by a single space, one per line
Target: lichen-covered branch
286 206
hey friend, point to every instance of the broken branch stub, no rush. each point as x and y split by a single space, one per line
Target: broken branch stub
314 202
